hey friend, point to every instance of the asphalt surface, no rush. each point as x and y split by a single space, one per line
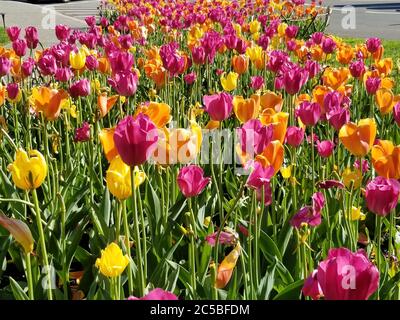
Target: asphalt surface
378 18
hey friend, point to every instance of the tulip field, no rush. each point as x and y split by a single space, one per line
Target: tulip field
185 150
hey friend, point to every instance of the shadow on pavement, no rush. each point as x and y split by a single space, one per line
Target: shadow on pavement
374 6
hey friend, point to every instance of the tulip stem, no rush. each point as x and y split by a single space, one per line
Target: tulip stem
127 246
42 242
312 159
378 249
392 225
29 276
139 259
192 249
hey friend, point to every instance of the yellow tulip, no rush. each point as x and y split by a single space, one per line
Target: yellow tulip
254 26
229 82
28 170
118 178
48 101
356 214
254 53
19 230
286 172
77 60
112 262
159 113
352 177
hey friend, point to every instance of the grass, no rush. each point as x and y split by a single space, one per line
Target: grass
391 47
3 36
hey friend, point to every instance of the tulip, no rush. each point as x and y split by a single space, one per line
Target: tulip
156 294
272 155
345 275
396 113
31 37
372 85
256 82
121 62
27 67
240 64
199 55
335 77
229 82
47 64
5 66
328 45
125 83
82 134
373 44
385 100
77 59
352 178
309 113
190 78
357 69
246 109
279 122
364 165
358 138
106 137
255 137
28 170
135 139
294 79
13 92
382 195
338 117
13 33
225 268
327 184
112 262
91 63
271 100
20 46
225 238
62 32
63 74
259 176
19 230
118 178
294 136
218 106
311 287
48 101
310 215
80 88
325 148
386 159
191 181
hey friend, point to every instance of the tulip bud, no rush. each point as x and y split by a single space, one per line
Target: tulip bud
19 230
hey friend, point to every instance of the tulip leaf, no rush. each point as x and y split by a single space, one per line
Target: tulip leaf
268 246
18 292
291 292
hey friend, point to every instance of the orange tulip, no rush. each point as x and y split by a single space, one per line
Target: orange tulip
159 113
386 159
279 122
317 53
105 103
240 63
358 138
226 267
48 101
2 94
271 100
385 99
107 141
272 155
246 109
384 66
335 77
345 54
319 94
104 65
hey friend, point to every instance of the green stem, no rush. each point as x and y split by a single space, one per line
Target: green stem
29 275
42 243
378 249
192 250
128 247
392 226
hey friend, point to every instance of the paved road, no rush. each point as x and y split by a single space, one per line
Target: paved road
76 9
379 18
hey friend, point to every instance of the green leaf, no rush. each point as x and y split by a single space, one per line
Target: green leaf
18 292
291 292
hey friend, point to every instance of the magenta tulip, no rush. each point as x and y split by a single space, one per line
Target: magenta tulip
325 148
396 111
311 287
191 181
254 136
294 136
62 32
218 106
156 294
259 176
345 275
5 66
357 68
309 113
328 45
373 44
372 85
80 88
20 47
82 134
13 33
382 195
125 83
256 82
31 37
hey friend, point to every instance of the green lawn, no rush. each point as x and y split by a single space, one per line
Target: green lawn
391 47
3 36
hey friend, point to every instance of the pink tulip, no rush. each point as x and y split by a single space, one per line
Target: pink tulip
365 165
345 275
357 68
396 111
20 47
90 21
338 117
190 78
5 66
64 74
256 82
91 63
311 287
310 215
199 55
373 44
135 139
317 37
309 113
27 67
125 83
313 68
291 31
294 136
267 194
294 79
218 106
62 32
191 181
372 85
121 61
13 33
31 37
225 238
82 134
47 64
382 195
12 90
327 184
156 294
259 176
325 148
80 88
328 45
254 136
